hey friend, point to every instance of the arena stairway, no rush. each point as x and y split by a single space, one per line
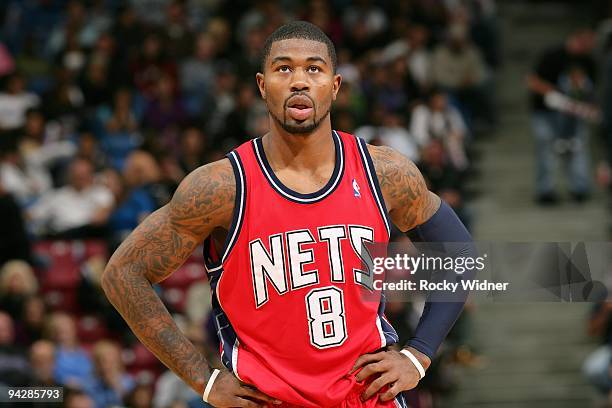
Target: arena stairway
532 352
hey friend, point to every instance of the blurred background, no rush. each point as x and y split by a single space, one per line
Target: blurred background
105 105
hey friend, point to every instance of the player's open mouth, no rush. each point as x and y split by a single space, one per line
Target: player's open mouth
299 113
299 108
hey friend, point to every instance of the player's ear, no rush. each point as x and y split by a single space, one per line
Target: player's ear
261 84
336 85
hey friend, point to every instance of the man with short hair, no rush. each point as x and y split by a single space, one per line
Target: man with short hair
285 218
77 210
558 116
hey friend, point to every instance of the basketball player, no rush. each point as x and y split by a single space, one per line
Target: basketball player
285 217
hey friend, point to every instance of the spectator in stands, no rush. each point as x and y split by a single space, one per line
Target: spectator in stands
34 129
25 179
42 361
79 209
178 34
197 307
75 398
123 116
77 24
197 74
165 113
73 366
14 367
134 203
598 365
64 103
240 122
15 101
14 243
459 68
193 152
547 100
141 396
152 65
248 64
72 55
143 172
443 178
392 133
604 167
400 90
97 80
572 143
111 384
89 149
128 33
320 13
419 56
30 64
43 149
225 100
17 284
364 23
172 390
438 120
352 101
119 128
30 327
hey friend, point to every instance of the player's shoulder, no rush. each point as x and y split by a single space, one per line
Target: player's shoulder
213 177
208 191
388 162
399 178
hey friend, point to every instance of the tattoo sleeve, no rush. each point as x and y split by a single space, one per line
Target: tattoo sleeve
408 200
154 250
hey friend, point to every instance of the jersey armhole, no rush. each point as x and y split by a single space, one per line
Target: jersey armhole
213 258
368 166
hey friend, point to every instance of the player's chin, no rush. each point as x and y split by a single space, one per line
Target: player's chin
300 127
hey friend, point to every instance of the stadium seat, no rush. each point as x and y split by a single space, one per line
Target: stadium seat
187 274
61 260
139 357
96 248
60 270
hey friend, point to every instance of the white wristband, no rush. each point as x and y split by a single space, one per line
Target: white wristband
210 383
415 361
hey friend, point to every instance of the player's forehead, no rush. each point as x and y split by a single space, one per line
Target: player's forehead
298 49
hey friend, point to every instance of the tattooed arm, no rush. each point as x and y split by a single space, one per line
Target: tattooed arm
204 201
407 198
421 213
154 250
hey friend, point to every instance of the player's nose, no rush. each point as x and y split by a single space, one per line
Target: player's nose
298 81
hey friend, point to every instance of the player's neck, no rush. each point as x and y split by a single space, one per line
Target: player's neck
300 151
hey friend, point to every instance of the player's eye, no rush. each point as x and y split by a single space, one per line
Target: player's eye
314 68
283 68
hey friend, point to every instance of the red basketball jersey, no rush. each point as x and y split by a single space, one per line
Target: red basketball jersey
288 285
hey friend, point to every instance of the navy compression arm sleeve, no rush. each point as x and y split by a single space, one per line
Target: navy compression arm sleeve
439 317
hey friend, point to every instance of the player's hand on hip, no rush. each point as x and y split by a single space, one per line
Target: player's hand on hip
392 369
228 391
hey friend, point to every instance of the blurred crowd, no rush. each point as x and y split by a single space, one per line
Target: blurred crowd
105 105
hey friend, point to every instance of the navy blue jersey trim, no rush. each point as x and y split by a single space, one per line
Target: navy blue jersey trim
368 166
237 216
389 332
225 331
295 196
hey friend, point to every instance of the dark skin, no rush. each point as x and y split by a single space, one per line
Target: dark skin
303 159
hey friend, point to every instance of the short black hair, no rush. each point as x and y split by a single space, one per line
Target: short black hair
298 29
